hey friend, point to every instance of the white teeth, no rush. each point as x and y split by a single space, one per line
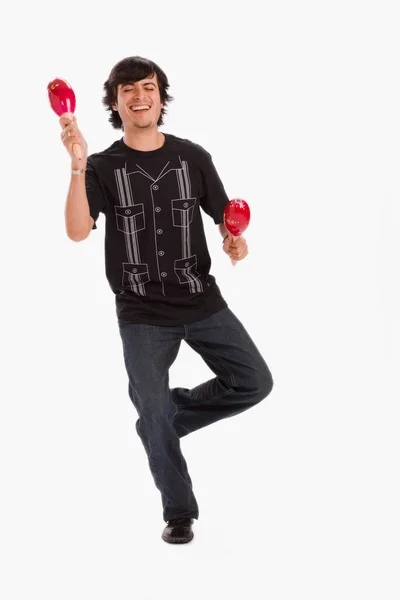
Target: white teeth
140 107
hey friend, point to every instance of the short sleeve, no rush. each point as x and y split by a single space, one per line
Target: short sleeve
215 198
94 192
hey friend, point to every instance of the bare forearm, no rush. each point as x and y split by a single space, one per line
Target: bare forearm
77 214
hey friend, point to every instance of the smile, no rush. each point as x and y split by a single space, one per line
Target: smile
140 107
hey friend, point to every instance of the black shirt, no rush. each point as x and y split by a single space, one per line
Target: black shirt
156 255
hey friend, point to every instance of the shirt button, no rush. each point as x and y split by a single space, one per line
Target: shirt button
155 187
134 270
158 209
159 231
185 205
161 253
163 274
127 212
187 264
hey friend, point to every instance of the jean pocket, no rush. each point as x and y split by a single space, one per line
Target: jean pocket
186 269
130 219
183 211
135 273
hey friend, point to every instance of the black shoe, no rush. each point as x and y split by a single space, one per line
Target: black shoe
178 531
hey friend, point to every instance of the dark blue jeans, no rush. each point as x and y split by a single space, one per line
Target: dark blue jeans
165 415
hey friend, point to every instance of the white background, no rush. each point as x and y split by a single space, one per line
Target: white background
299 107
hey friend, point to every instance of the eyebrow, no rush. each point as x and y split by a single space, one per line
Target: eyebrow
146 82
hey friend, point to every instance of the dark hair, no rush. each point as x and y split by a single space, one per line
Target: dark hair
131 70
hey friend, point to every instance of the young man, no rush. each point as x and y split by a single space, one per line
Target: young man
150 187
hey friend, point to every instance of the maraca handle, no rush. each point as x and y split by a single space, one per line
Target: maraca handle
235 237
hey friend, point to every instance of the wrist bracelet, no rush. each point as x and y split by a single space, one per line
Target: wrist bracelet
227 235
78 171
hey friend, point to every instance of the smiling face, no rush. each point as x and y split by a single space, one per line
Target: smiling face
139 104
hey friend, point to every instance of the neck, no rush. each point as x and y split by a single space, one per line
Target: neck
144 139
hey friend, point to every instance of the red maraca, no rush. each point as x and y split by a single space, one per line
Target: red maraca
62 101
237 216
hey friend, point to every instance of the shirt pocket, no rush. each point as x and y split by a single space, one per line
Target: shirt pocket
183 211
135 274
130 219
186 269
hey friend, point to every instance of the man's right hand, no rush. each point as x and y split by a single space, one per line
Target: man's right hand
71 135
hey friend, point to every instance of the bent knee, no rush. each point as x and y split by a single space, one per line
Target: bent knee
264 386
